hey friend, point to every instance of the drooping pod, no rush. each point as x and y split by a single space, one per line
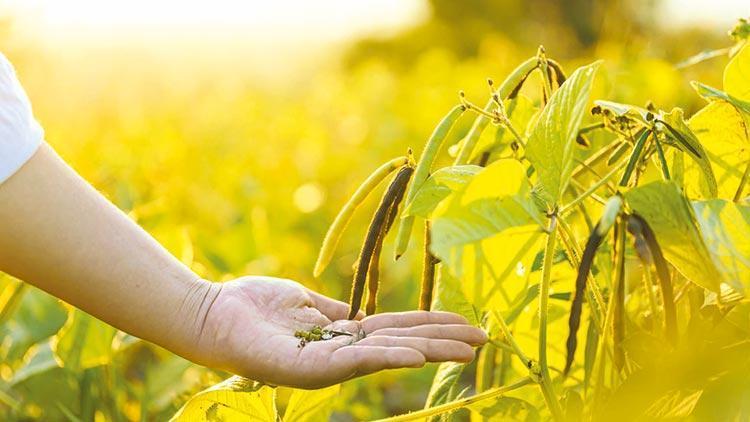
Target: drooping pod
635 156
377 226
430 152
334 233
652 254
559 72
507 89
373 272
611 210
428 272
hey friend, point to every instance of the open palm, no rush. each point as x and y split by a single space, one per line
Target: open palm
249 330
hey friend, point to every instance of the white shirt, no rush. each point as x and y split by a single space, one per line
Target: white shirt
20 133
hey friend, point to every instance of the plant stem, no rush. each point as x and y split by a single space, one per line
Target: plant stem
458 404
546 381
589 128
743 181
599 183
511 340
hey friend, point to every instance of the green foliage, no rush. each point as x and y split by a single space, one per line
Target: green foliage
550 145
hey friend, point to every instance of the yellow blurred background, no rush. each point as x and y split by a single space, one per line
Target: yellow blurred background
233 131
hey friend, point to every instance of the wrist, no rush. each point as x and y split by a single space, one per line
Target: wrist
189 327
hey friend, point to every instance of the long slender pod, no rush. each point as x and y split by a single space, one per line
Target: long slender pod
373 272
505 90
559 72
601 229
618 321
379 220
634 156
662 271
422 171
345 215
428 272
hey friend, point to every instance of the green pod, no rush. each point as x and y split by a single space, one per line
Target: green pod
634 156
505 90
428 272
373 271
347 211
639 227
377 226
422 172
611 210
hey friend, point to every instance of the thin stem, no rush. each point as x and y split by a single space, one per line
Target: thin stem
545 381
458 404
743 181
595 158
501 345
511 340
599 183
589 128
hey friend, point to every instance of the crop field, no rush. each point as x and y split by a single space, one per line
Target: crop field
587 207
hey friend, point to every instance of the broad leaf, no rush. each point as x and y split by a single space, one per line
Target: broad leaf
488 231
683 134
235 398
722 131
737 75
84 342
438 187
443 389
40 359
726 229
551 144
450 297
713 94
506 409
620 109
669 214
311 405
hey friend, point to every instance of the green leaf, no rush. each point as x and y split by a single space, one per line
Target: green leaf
40 359
722 131
311 405
235 398
674 404
485 231
669 214
726 229
438 187
737 75
443 389
682 131
506 409
713 94
551 144
83 342
450 297
620 109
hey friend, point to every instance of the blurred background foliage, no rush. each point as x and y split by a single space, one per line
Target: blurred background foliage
238 174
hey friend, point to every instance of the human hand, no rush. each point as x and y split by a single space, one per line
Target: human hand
249 330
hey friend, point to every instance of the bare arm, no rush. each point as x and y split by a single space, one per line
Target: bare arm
61 235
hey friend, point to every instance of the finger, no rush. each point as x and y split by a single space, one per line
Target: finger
410 319
353 361
332 308
434 350
459 332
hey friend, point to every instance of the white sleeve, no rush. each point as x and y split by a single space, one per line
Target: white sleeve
20 133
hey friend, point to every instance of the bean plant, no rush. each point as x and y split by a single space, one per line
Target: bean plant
624 227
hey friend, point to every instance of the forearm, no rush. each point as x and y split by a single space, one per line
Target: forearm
61 235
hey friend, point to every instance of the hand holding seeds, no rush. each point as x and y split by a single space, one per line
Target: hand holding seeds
281 333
